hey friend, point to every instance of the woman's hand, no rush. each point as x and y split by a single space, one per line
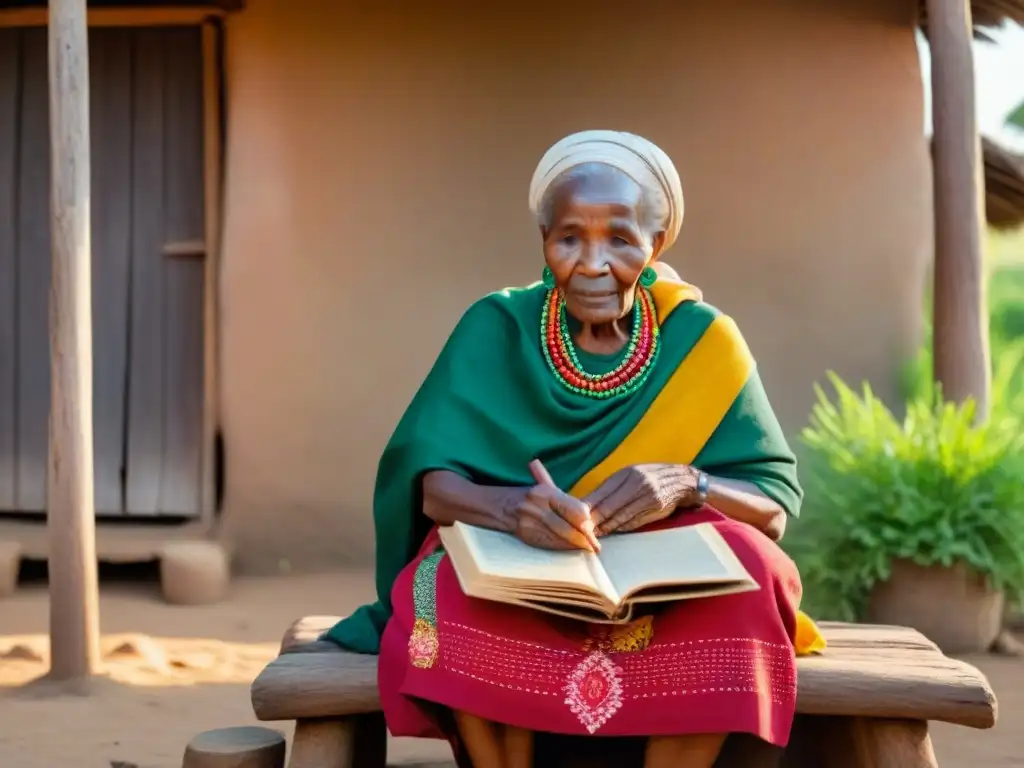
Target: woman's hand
644 493
552 519
541 515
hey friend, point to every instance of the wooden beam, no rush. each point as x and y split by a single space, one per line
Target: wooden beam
960 313
118 17
71 521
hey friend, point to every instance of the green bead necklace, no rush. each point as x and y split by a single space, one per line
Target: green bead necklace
640 355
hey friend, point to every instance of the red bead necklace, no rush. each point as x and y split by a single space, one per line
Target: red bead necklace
627 377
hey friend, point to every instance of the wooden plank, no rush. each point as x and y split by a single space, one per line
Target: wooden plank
10 51
953 691
300 685
333 684
839 635
33 275
185 249
315 678
111 56
181 473
71 520
146 351
908 656
121 17
843 639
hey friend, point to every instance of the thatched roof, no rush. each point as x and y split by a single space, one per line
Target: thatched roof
1004 186
993 13
987 14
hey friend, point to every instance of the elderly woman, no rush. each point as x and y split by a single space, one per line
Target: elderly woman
613 380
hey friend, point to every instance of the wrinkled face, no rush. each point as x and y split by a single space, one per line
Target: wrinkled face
598 241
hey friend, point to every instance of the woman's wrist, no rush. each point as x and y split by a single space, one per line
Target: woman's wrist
448 498
689 486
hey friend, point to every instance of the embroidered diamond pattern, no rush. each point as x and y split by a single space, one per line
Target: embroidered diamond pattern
594 690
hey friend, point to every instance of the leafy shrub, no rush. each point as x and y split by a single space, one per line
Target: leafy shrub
933 487
1006 400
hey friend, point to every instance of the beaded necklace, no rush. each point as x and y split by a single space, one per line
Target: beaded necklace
627 377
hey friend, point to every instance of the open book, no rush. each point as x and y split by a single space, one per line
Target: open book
647 567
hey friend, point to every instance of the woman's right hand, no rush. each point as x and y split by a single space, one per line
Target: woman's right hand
549 518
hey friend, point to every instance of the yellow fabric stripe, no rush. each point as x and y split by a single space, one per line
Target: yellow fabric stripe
688 409
669 294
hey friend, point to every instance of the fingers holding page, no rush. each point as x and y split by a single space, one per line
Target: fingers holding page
570 509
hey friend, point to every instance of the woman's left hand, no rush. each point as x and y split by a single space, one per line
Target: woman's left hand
636 496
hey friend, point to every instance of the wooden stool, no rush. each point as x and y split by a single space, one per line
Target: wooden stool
242 747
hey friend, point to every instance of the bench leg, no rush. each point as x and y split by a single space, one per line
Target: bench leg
323 744
878 743
820 741
350 742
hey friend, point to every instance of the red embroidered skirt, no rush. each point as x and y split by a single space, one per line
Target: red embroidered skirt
710 665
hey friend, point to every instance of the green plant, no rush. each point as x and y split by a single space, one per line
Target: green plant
1006 398
933 487
1016 118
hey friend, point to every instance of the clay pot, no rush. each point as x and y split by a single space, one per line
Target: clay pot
954 607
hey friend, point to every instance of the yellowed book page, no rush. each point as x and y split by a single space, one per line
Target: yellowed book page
569 611
553 592
568 596
588 608
672 594
500 560
689 556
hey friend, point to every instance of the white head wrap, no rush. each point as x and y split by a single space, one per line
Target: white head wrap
634 155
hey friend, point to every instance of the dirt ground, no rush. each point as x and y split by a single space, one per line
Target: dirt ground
174 671
177 671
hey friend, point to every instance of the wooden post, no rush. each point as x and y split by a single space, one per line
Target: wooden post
960 307
74 610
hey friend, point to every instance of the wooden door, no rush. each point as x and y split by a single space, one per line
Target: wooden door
147 278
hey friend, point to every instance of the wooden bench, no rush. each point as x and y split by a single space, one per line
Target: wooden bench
865 702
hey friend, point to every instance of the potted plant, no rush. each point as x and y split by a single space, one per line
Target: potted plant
917 521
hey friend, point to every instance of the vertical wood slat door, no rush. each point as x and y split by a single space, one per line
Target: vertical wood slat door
147 193
165 398
9 58
32 225
111 110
